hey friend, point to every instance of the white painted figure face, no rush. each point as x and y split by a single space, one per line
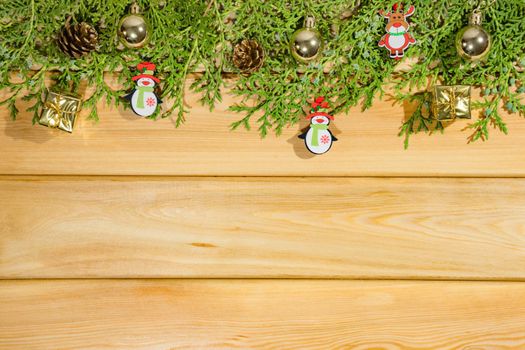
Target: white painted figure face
320 119
397 24
147 82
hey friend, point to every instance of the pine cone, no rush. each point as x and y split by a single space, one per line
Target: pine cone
248 56
78 40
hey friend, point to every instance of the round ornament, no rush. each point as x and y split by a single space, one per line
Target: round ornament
306 44
473 42
133 29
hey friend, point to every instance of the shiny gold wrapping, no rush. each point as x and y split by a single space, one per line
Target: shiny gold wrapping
60 111
451 102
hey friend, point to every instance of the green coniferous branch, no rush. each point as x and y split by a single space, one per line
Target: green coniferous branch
198 36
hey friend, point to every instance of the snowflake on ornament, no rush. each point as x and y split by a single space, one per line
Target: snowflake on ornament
150 101
397 39
318 139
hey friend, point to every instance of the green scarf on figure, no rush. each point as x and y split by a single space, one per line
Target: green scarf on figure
315 133
397 34
140 97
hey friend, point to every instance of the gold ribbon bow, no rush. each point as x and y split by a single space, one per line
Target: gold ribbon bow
452 103
56 116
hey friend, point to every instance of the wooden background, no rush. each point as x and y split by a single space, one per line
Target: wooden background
131 234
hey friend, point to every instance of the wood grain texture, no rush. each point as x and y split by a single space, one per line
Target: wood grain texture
122 144
261 314
69 227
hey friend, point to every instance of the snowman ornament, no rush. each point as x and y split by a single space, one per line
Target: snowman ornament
143 99
318 138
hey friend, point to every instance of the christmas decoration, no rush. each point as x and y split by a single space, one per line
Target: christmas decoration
133 29
473 42
60 111
451 102
318 138
397 39
248 56
200 36
77 40
143 99
306 44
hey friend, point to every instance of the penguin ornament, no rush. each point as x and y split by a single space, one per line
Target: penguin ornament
143 99
318 138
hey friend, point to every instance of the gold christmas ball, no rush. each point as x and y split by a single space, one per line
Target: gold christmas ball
473 42
306 44
133 29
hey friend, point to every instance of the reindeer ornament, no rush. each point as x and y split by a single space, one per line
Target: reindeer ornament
397 39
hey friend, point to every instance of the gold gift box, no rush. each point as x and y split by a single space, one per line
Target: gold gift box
451 102
60 111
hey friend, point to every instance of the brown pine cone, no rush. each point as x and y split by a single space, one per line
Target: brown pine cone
248 56
77 40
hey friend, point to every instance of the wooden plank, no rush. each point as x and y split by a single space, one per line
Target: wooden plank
65 227
261 314
122 144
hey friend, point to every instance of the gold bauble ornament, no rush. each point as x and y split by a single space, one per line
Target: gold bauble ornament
306 44
133 29
473 42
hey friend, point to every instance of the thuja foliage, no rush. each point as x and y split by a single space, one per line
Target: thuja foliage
198 36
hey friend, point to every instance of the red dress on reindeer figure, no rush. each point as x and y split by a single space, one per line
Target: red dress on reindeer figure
397 39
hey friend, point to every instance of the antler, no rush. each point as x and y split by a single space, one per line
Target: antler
386 15
410 11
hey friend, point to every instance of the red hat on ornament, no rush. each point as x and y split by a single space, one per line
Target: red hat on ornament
147 69
317 105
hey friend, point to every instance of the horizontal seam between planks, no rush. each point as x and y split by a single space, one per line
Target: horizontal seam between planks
160 176
357 279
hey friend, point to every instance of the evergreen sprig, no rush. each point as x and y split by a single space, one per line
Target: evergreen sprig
198 36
